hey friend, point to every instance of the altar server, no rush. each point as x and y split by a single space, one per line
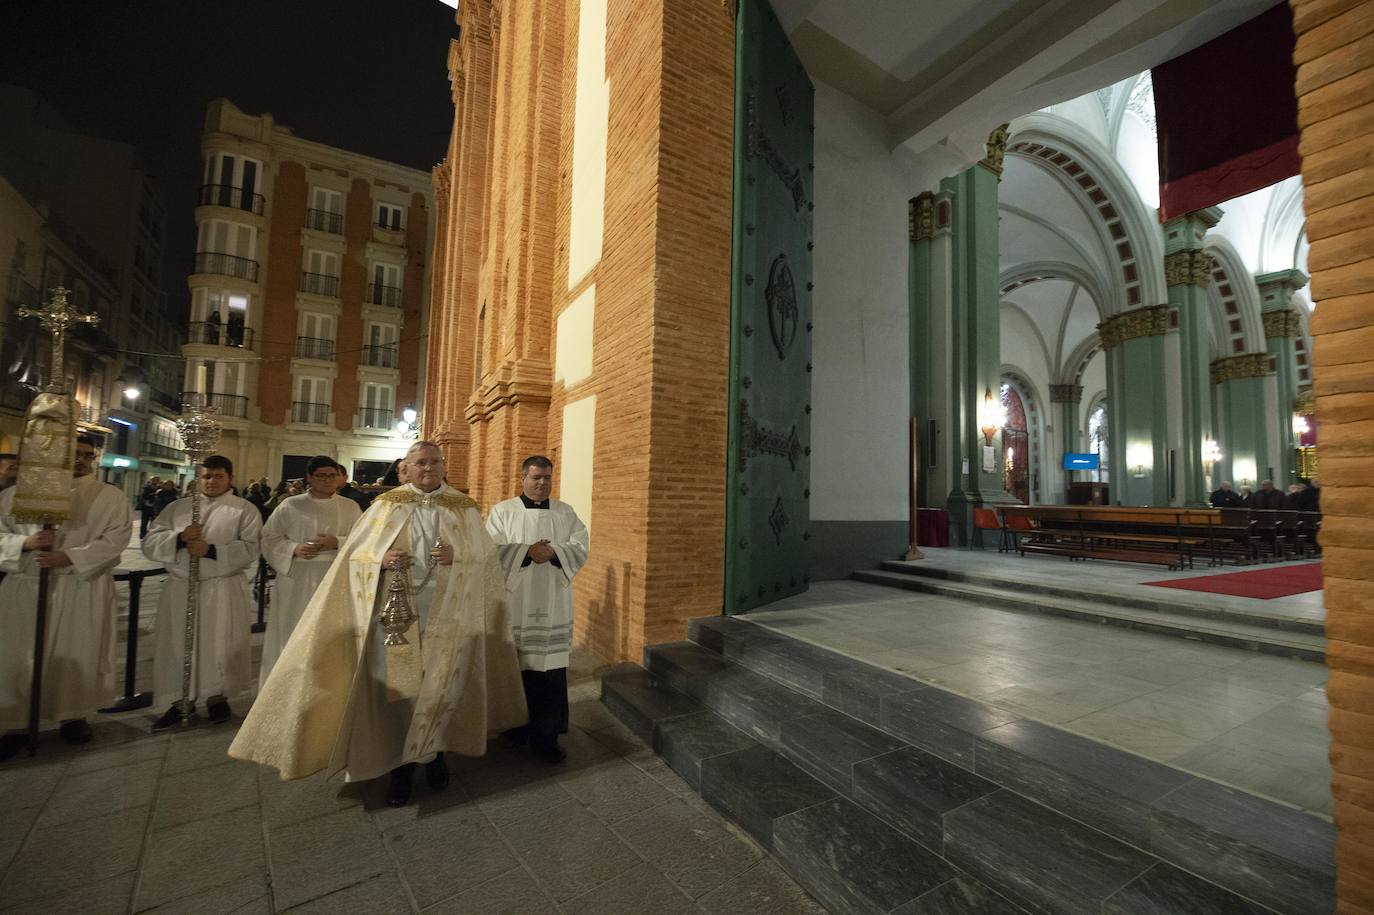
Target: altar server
301 540
542 544
226 540
78 663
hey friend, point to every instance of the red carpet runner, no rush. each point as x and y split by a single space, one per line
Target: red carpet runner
1261 584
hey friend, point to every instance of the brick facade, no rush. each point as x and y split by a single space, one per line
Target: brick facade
662 291
1335 59
283 277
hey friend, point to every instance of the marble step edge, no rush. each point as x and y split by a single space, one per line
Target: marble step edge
1159 605
1250 637
659 714
1046 765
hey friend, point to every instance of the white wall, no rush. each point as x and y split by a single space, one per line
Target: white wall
859 387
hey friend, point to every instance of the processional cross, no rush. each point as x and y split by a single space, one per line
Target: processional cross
56 316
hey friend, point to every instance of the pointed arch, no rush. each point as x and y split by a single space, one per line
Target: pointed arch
1127 230
1235 298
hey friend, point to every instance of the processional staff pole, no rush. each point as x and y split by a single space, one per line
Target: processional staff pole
44 490
199 434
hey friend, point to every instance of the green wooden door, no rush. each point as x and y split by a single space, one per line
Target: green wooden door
767 502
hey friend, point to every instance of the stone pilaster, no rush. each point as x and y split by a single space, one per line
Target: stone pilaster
1244 396
1067 403
1187 271
1142 352
1282 326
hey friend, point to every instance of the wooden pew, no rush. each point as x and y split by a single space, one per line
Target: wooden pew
1161 536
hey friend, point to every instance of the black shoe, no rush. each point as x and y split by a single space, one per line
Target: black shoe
170 719
515 738
398 791
218 710
436 773
75 732
550 752
11 744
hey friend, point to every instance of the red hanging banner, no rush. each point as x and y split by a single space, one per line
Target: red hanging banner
1227 115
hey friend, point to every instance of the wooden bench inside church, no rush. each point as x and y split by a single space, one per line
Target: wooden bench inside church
1170 537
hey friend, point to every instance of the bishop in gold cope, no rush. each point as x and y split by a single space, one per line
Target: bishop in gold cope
346 698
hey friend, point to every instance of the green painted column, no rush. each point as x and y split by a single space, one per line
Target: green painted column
1244 387
1142 396
955 356
1281 329
1187 271
1067 400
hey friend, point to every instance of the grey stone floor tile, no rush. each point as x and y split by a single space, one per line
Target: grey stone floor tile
961 896
319 856
148 750
240 896
513 893
58 858
694 848
193 857
1133 735
205 745
285 802
14 829
615 789
444 855
508 795
90 794
108 897
196 794
381 895
1257 770
640 889
762 890
590 715
570 852
25 783
1181 714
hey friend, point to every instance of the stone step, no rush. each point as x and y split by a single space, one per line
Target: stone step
1244 635
1166 601
911 754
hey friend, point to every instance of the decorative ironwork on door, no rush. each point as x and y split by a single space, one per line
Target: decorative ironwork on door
768 469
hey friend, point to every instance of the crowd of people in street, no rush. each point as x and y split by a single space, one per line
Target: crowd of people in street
404 624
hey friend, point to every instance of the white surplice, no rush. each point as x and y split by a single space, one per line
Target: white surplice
78 665
296 521
541 593
220 664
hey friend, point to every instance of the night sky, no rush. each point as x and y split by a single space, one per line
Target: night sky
365 75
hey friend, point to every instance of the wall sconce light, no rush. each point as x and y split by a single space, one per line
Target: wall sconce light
1140 458
994 417
1300 425
1211 452
1245 471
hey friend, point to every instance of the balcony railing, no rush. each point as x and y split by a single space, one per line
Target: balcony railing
315 348
166 399
324 221
390 296
317 413
90 413
216 333
374 418
381 357
223 195
226 265
320 284
227 404
164 449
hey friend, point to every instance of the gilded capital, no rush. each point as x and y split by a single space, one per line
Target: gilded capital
997 149
1188 268
921 217
1246 365
1066 393
1150 321
1281 323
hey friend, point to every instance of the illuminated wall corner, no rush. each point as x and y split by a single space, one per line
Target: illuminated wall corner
572 361
578 451
591 126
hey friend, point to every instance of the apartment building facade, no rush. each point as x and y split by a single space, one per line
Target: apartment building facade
308 297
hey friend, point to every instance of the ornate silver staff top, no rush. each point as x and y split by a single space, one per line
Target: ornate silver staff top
55 316
199 433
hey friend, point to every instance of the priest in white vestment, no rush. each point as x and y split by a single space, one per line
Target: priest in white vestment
227 542
301 539
79 656
341 700
542 544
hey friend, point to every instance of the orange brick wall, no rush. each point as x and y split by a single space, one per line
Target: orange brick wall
278 333
412 292
1335 58
662 293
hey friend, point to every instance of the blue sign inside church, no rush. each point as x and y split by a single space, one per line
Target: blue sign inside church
1080 462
